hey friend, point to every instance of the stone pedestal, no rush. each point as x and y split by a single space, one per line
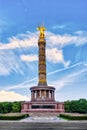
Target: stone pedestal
42 107
42 100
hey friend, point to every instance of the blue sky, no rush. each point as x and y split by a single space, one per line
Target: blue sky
66 47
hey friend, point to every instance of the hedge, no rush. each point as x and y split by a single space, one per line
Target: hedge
72 117
4 117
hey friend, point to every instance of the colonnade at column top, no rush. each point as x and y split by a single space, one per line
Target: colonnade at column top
42 94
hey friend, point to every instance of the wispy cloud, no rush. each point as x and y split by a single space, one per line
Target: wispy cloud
10 61
26 83
3 25
59 26
69 67
22 85
69 76
81 33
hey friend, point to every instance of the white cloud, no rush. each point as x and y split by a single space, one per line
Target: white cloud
11 96
65 39
29 58
28 40
54 55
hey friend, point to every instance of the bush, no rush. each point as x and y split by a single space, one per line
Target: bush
14 117
72 117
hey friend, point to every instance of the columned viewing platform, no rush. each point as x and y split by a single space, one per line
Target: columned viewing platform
42 93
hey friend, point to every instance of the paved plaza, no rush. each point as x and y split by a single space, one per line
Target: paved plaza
43 126
43 119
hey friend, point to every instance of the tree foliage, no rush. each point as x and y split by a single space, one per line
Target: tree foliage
16 107
76 106
7 107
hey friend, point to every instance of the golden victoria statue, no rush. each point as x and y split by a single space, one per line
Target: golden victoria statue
41 29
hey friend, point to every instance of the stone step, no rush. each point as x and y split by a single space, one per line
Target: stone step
43 114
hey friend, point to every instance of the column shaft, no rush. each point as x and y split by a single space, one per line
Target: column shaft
42 63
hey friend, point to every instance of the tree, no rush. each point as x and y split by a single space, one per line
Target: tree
1 107
16 106
67 106
82 106
7 107
76 106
